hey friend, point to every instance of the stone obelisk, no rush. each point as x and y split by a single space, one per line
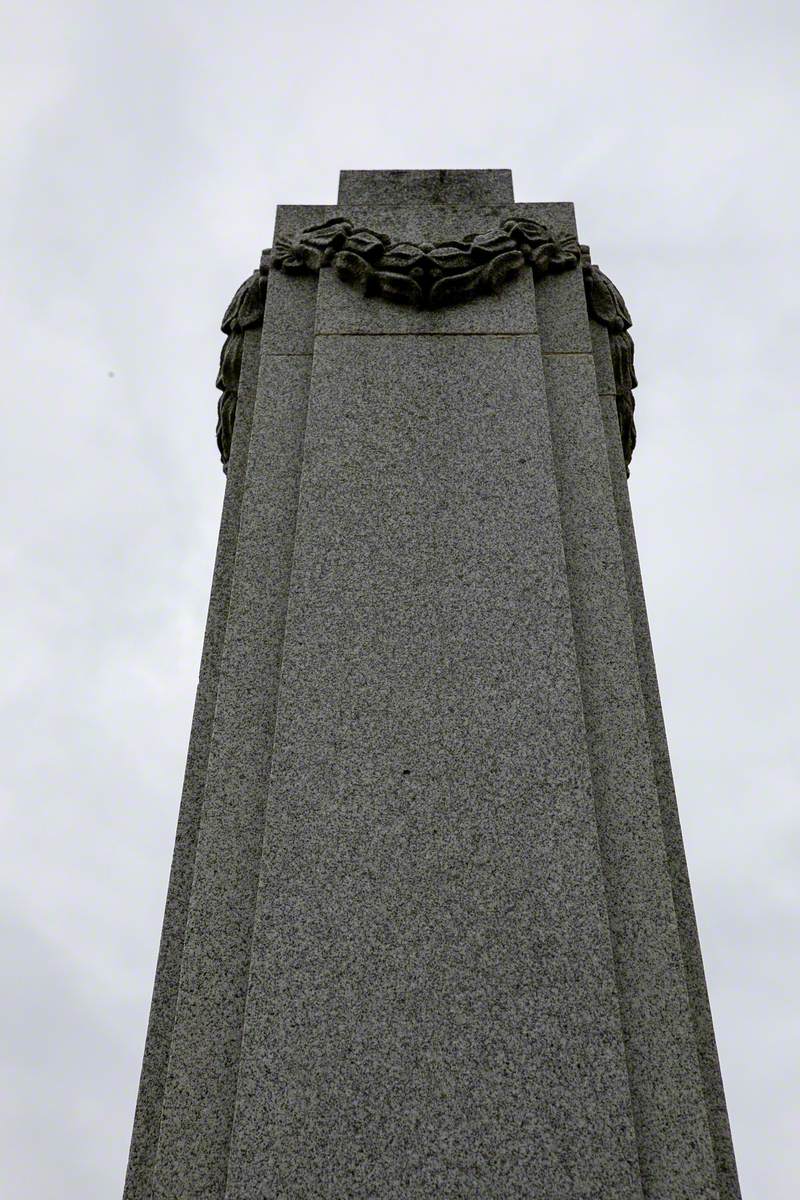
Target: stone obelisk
429 930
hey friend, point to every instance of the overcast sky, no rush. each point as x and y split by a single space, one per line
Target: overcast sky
146 146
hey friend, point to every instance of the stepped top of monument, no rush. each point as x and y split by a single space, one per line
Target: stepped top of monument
401 188
427 240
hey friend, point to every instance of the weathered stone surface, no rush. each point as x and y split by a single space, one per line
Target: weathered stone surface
431 1007
716 1109
440 938
201 1081
165 991
421 189
672 1136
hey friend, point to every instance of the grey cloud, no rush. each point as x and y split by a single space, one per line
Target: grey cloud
149 145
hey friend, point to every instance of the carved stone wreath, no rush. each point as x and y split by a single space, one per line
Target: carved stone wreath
428 275
606 306
245 311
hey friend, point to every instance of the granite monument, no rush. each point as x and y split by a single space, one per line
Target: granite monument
429 930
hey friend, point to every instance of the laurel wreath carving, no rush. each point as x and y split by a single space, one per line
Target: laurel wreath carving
606 306
245 311
427 275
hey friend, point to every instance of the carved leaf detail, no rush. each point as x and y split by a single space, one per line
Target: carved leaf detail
367 243
452 289
605 305
245 311
352 268
486 246
402 289
605 300
424 274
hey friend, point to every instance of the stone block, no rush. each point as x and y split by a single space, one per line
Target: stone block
289 314
203 1066
149 1104
561 311
602 363
409 189
432 1005
675 1150
343 309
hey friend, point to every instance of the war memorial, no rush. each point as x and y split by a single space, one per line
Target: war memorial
429 931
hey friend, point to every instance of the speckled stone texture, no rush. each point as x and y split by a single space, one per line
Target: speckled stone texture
433 934
716 1108
165 991
424 189
417 957
669 1109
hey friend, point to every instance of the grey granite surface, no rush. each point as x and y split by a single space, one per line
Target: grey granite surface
341 309
439 940
289 314
674 1147
604 372
432 1006
421 189
201 1081
428 223
716 1108
165 991
561 311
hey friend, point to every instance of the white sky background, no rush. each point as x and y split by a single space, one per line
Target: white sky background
146 146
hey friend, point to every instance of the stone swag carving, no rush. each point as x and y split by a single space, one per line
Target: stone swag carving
606 306
245 311
426 275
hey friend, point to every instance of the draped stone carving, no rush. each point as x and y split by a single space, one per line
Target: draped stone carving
245 311
606 306
428 275
425 274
